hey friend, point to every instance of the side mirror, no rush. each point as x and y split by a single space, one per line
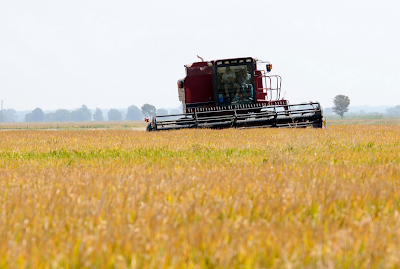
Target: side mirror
269 67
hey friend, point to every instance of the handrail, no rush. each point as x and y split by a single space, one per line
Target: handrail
269 87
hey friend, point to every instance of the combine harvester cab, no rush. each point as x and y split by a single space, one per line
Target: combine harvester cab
233 93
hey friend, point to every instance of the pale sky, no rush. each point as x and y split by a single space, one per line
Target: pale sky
113 54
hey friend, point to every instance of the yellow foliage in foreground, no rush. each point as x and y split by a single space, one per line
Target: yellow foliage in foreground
276 198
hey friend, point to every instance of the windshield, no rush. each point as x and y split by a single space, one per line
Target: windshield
235 84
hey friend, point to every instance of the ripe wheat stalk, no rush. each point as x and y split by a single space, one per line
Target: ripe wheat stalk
201 198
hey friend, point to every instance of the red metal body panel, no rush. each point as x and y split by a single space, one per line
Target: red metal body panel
258 81
198 83
198 89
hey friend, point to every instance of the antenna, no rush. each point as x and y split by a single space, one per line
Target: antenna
1 111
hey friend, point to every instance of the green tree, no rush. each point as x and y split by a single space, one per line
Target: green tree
114 115
148 110
78 115
11 114
88 113
162 112
341 104
98 115
81 114
3 117
393 111
62 115
36 115
50 116
134 113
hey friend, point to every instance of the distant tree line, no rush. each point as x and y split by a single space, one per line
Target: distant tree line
393 111
80 114
8 115
341 103
85 114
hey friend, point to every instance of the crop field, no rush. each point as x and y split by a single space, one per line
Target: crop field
257 198
114 125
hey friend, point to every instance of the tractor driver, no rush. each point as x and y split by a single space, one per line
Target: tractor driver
229 79
245 83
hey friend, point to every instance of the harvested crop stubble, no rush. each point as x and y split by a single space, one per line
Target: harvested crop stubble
201 198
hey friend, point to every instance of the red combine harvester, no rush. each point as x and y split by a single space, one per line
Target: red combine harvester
235 93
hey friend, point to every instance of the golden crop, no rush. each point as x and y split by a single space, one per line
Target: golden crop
258 198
